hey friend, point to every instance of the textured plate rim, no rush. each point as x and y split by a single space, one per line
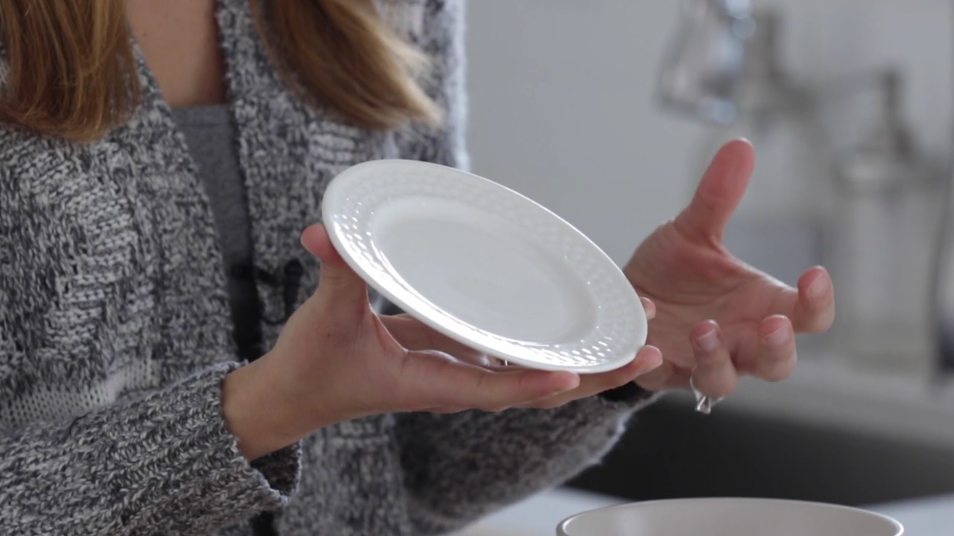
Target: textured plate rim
339 188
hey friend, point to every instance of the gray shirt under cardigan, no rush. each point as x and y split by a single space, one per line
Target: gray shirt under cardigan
116 332
210 136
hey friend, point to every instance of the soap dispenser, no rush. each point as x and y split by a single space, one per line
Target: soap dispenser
889 202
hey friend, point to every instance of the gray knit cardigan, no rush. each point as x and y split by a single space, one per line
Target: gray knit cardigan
115 331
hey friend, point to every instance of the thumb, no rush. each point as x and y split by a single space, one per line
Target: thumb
336 277
719 192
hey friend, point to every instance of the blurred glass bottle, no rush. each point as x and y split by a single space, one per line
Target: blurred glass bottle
703 65
889 199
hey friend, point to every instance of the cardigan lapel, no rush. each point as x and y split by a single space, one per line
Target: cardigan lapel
175 221
288 153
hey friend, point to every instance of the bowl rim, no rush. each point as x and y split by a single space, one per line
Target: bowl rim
562 526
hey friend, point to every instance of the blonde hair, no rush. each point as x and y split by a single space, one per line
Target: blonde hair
72 73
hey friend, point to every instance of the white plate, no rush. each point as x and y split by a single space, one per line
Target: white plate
484 265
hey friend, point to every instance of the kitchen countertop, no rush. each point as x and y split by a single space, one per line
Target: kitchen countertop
539 515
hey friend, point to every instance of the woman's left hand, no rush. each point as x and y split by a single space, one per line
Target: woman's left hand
716 317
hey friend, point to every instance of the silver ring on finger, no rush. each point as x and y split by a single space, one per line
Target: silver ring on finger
704 403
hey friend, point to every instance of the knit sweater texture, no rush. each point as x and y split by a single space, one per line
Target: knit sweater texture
115 332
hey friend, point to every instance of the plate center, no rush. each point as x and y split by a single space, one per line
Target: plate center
483 270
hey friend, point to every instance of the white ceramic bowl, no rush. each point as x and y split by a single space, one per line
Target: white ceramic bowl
729 517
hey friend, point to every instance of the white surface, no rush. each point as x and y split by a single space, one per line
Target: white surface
729 517
484 265
539 515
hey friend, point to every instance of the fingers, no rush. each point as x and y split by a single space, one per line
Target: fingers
776 355
648 359
714 374
437 381
815 307
316 240
337 281
719 191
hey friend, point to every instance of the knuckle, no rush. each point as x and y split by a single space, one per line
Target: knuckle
717 384
713 369
709 385
820 322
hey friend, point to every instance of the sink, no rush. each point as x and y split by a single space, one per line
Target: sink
670 451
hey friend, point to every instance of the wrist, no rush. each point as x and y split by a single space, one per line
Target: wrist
255 411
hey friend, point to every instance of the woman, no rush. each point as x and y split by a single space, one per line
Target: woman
131 401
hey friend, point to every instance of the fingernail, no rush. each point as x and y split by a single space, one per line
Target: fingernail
650 365
818 287
572 383
709 341
777 337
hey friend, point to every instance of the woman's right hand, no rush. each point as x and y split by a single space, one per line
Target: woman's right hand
335 361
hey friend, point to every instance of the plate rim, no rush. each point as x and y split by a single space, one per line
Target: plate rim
331 196
564 524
